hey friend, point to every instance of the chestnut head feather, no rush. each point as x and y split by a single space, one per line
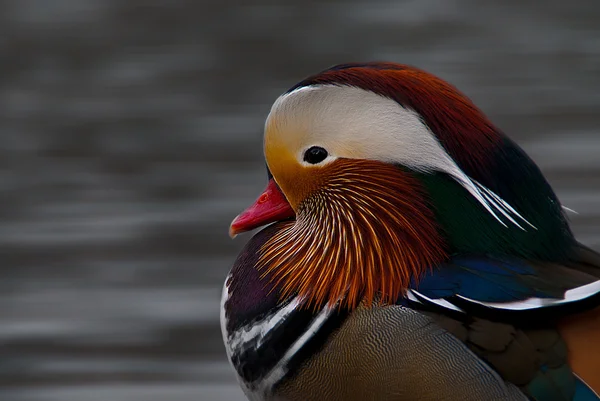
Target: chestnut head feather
366 230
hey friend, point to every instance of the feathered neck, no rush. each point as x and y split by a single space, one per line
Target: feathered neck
365 233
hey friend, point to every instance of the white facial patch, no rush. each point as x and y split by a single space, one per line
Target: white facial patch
353 123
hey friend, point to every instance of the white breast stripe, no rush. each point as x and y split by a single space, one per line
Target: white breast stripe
256 331
223 318
279 370
254 334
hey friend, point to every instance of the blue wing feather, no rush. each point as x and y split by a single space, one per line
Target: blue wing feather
480 279
584 393
495 265
482 285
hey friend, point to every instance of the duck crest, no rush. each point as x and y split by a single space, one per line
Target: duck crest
365 233
462 129
499 168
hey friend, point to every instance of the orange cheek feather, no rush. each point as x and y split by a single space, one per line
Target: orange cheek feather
294 179
363 230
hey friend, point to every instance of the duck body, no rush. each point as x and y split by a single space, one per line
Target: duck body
377 353
416 253
412 350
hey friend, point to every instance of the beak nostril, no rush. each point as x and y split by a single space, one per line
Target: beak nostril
263 198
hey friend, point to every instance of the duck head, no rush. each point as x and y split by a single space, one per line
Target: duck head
379 172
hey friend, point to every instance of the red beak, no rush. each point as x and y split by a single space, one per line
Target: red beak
270 206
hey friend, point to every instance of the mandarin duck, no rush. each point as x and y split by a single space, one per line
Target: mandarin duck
412 252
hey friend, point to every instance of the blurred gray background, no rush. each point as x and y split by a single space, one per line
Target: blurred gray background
130 136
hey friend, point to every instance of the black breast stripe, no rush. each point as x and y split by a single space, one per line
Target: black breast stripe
257 357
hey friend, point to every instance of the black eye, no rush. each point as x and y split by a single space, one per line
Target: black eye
315 155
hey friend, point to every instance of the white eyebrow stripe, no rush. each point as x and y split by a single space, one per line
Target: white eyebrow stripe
354 123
